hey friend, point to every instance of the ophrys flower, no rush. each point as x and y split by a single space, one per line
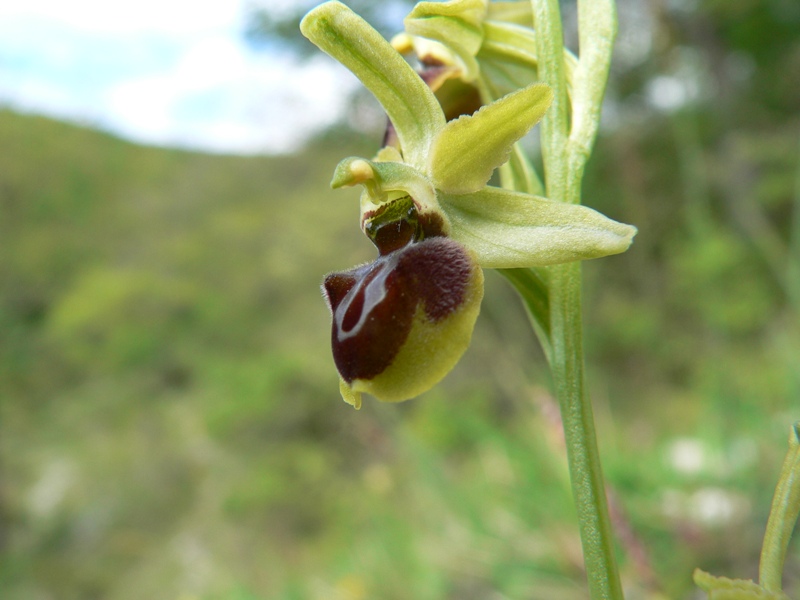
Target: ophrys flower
401 323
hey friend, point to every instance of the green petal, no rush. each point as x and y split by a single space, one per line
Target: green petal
411 106
468 149
517 45
381 178
455 24
508 229
510 42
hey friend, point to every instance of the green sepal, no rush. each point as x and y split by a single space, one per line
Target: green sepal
722 588
410 104
468 150
507 229
456 24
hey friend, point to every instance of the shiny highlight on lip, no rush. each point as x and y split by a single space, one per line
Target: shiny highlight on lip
374 305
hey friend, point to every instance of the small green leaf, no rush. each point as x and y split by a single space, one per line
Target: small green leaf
410 104
782 517
722 588
468 149
509 229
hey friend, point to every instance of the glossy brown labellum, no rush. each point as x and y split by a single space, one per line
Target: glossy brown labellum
374 306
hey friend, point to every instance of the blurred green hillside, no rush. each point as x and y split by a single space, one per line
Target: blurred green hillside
170 424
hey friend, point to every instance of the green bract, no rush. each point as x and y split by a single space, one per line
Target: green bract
441 171
722 588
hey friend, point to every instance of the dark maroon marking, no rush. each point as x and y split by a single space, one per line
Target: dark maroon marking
393 236
413 226
390 136
430 224
389 236
442 270
336 287
432 70
371 322
456 97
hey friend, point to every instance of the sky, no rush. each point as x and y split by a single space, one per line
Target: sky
164 72
180 73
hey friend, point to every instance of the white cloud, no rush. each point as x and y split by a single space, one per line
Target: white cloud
259 104
170 72
166 16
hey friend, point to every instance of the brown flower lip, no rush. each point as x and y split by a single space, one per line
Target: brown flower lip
374 306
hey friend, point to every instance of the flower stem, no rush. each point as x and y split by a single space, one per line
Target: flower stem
782 517
586 474
565 149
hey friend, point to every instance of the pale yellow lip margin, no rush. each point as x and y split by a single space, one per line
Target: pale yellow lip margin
430 352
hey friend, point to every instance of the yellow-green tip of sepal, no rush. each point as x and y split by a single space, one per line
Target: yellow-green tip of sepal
352 171
349 395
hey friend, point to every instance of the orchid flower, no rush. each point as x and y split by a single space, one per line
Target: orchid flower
401 323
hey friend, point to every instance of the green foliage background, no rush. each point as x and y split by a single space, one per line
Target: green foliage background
170 425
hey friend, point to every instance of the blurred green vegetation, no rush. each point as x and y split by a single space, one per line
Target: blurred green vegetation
170 424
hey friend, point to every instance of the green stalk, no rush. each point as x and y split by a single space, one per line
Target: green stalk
556 318
782 517
586 475
565 149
